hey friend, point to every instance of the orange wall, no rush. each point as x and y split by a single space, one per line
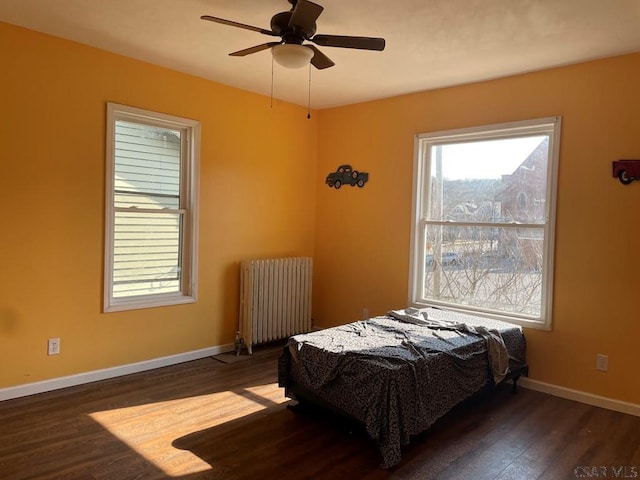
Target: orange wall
363 235
257 198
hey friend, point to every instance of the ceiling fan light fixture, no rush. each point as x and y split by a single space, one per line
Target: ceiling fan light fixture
292 55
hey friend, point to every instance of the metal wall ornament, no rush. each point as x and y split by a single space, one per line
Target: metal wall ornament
626 170
346 175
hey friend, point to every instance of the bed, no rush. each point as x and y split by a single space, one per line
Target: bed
397 374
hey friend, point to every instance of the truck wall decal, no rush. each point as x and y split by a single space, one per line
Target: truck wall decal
346 175
626 170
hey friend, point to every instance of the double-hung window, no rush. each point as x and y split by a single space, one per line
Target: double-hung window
483 220
151 209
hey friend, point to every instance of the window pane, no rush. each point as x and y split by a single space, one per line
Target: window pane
486 181
146 253
147 162
493 268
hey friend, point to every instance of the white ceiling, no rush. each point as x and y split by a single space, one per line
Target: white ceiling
430 43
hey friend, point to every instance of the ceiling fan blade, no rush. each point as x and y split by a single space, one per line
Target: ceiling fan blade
305 14
319 59
239 25
344 41
256 49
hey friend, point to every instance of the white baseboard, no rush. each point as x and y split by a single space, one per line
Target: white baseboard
88 377
578 396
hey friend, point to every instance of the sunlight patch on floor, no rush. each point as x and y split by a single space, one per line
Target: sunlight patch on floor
144 428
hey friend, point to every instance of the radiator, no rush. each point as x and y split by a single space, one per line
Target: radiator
275 299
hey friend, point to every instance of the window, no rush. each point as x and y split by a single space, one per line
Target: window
151 209
483 220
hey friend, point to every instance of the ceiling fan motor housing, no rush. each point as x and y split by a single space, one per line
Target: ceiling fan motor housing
290 33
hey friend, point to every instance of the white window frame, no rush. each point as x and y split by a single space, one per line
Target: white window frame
421 173
189 173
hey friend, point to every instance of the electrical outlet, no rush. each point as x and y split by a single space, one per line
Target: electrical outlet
602 362
365 313
53 346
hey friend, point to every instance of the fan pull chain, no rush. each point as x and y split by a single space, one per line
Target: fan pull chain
309 97
271 100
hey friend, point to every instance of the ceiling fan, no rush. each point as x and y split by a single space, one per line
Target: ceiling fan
294 28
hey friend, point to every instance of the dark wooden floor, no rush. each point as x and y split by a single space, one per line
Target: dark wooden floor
209 420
